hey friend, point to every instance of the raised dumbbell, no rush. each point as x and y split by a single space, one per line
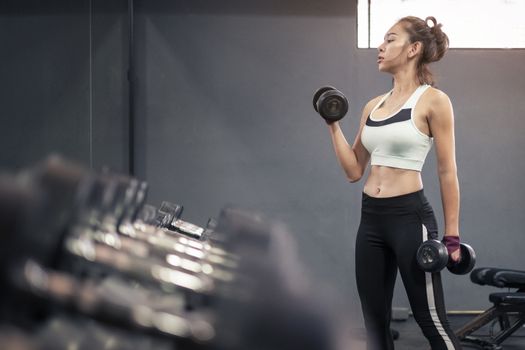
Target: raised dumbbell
330 103
432 256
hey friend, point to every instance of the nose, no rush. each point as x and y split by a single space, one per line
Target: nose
381 47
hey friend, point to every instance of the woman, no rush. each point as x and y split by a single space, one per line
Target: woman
396 132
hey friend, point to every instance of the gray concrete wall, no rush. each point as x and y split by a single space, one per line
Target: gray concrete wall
63 82
225 116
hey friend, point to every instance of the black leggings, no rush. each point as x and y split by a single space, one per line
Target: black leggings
390 232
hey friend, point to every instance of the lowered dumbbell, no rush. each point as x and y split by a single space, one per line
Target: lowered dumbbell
432 256
330 103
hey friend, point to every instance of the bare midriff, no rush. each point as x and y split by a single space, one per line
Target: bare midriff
386 182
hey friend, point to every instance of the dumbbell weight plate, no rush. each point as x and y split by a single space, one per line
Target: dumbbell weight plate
467 262
432 256
318 94
333 105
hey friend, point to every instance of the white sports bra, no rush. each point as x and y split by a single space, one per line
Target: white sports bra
395 141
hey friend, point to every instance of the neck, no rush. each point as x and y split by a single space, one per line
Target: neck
405 81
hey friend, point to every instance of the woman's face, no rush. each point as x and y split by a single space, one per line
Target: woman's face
393 52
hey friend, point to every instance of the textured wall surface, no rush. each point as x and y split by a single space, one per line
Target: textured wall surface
224 116
63 82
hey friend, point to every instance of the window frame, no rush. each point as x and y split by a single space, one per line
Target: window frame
367 5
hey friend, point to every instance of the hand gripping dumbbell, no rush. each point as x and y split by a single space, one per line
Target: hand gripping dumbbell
432 256
330 103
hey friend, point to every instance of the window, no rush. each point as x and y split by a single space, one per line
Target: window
468 23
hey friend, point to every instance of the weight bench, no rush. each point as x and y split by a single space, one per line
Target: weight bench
508 309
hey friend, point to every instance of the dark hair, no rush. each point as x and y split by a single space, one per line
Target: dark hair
433 40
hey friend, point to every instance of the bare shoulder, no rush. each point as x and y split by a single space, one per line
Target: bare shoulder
438 103
436 97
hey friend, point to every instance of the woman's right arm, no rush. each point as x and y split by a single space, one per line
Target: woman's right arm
353 159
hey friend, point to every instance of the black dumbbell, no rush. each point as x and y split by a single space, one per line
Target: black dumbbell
432 256
330 103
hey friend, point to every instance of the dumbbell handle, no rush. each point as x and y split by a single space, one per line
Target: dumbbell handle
175 258
141 269
153 248
165 241
452 244
83 295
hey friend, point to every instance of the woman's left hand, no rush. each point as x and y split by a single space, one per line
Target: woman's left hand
453 247
456 255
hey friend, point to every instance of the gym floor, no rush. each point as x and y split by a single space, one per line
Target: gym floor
411 337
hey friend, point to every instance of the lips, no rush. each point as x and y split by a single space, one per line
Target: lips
380 59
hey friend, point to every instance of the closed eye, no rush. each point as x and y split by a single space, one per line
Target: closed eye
389 37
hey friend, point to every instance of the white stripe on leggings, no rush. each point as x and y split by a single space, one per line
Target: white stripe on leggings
432 303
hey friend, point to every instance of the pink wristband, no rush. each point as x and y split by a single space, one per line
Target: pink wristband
451 242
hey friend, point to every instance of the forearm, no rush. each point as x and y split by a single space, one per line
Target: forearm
345 154
450 198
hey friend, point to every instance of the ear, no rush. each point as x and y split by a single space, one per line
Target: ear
415 49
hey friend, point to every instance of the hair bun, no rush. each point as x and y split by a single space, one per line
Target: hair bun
431 19
441 39
435 27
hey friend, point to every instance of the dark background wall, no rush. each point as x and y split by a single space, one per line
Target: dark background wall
63 82
223 108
